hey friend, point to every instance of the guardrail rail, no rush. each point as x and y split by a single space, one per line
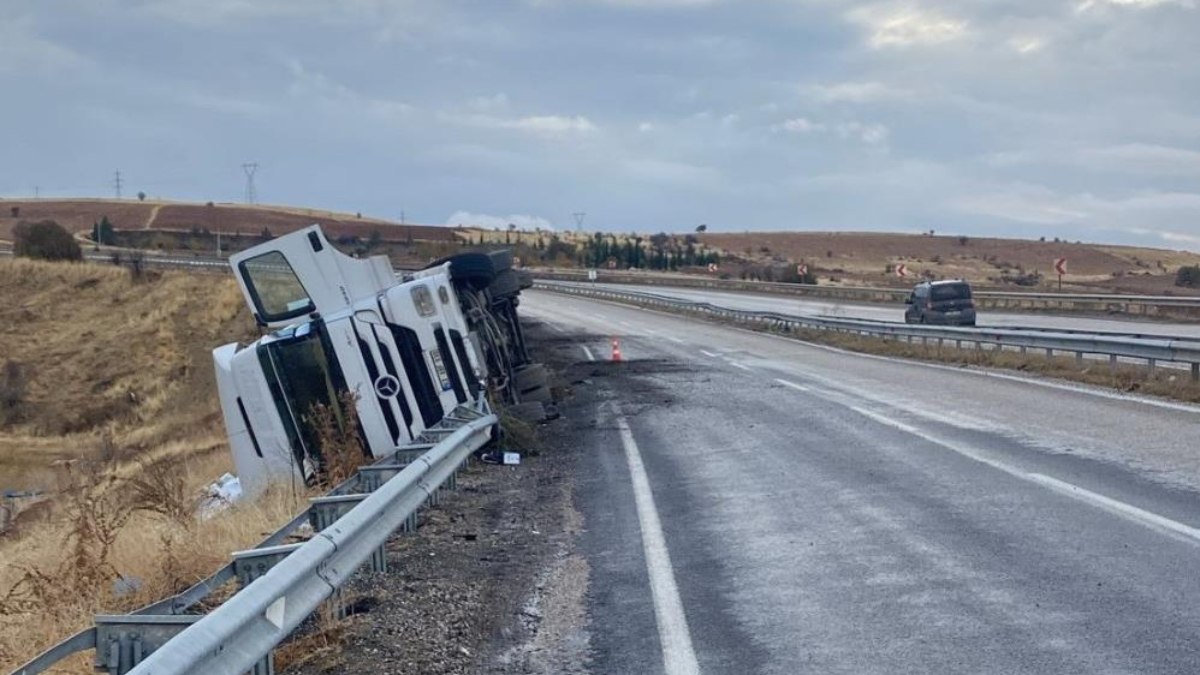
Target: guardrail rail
1149 305
1152 350
281 584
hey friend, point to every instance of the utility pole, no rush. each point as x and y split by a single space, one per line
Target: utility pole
579 216
37 191
117 183
250 168
402 216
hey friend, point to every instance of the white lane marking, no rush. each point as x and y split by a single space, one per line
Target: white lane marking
1116 507
679 658
793 385
735 364
587 352
1048 384
709 354
674 339
887 421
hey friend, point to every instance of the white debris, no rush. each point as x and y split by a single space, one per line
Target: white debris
220 495
512 458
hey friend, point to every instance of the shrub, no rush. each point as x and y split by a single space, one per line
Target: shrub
46 240
1188 276
12 391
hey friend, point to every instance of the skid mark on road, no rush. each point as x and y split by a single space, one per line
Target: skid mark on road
679 658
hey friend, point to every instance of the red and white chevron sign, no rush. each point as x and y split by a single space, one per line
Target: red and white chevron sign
901 270
801 269
1060 265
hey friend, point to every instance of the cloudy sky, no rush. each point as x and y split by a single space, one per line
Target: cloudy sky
1071 118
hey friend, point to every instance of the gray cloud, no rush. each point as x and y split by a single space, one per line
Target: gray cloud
1022 117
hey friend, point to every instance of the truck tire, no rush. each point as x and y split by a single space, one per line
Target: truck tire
506 283
531 376
533 411
540 394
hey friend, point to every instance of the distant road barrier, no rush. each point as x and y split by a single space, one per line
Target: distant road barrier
1085 302
1153 350
282 584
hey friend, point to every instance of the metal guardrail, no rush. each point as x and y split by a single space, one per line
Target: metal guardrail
1098 302
1152 350
282 584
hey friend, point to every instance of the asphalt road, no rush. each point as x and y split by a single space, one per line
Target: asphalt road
880 312
756 505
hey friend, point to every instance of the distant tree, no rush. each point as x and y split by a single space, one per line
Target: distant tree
15 211
962 240
265 235
374 240
702 228
1188 276
141 196
102 232
46 240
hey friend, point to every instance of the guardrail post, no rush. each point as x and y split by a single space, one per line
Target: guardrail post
325 511
1049 353
251 564
1150 365
1196 372
123 641
1112 362
1079 358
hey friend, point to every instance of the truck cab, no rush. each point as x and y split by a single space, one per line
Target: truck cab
338 324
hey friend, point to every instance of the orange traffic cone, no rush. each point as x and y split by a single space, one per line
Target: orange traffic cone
616 344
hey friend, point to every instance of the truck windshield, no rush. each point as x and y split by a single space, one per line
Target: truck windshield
304 377
277 292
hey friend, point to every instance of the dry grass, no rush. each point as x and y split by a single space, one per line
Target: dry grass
336 429
61 572
119 421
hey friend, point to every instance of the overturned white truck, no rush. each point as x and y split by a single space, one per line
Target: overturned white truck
412 349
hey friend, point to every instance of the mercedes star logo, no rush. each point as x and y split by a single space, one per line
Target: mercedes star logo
387 386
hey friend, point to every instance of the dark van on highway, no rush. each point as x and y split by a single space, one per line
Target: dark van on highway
946 302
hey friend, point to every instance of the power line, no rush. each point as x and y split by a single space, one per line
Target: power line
117 183
251 194
579 216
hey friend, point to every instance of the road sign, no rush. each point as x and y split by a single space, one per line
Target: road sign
901 270
591 275
1060 266
801 269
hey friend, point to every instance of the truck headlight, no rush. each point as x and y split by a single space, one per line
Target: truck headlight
423 300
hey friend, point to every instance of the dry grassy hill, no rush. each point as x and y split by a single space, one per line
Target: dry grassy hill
78 215
108 404
864 258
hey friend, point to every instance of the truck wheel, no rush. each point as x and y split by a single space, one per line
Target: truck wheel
531 376
540 394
